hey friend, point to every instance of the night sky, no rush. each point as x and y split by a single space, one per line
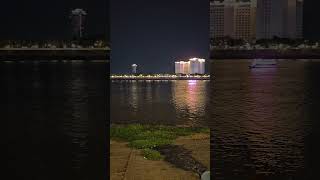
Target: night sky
150 33
311 24
48 19
153 34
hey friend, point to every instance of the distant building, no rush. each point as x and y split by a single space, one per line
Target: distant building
279 18
78 20
134 68
299 19
182 67
193 66
232 18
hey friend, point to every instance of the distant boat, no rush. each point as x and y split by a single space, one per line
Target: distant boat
263 63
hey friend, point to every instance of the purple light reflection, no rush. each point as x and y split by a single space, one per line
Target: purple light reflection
192 82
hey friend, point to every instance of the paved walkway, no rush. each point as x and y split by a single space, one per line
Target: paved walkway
199 144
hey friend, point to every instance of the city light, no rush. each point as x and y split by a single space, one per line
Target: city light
159 77
193 66
192 82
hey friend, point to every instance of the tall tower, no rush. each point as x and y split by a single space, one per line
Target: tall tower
299 18
134 68
78 20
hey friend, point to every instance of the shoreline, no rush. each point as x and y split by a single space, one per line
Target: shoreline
159 77
265 54
54 54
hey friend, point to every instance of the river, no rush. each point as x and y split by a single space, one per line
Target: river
265 121
50 111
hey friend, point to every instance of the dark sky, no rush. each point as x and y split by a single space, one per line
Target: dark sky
150 33
153 34
311 19
48 19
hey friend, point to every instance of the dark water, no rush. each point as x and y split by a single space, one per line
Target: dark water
265 122
179 102
50 112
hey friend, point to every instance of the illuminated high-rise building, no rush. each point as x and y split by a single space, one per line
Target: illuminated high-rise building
279 18
193 66
177 67
202 66
234 19
184 67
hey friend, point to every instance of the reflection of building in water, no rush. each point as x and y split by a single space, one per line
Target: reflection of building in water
148 90
272 133
193 66
77 125
189 96
260 110
133 98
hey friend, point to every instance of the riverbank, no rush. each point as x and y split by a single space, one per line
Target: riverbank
160 77
265 54
29 54
130 160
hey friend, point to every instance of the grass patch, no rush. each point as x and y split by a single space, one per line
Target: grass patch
149 143
126 132
152 154
148 137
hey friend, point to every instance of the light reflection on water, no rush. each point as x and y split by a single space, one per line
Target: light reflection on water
262 119
181 102
47 111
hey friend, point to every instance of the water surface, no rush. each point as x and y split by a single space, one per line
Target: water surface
177 102
265 121
49 110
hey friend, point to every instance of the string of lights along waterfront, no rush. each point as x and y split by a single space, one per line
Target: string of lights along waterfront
193 69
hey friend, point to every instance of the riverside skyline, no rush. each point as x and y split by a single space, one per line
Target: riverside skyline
155 35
